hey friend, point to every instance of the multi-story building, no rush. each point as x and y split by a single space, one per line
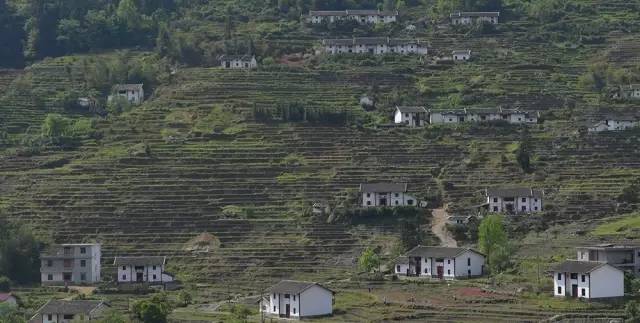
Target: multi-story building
441 263
514 200
626 258
587 279
73 263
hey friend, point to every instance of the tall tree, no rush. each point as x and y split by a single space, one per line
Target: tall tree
11 41
128 14
493 241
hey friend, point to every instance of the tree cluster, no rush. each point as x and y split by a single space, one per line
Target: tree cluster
494 243
19 254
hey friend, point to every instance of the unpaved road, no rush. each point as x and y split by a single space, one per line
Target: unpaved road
438 226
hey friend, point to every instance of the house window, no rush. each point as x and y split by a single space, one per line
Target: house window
524 208
68 263
448 271
535 208
287 296
410 202
426 271
368 202
83 263
154 267
67 250
294 297
495 209
574 276
49 263
468 272
294 310
50 277
368 194
274 308
448 261
397 194
524 199
50 317
83 250
154 276
559 289
584 278
68 316
535 200
83 276
397 202
124 277
468 261
559 276
124 267
495 200
584 292
398 268
274 296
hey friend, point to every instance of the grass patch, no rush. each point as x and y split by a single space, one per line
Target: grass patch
622 226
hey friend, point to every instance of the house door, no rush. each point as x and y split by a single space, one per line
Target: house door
574 291
418 261
66 277
287 311
461 119
227 64
509 208
383 202
139 277
440 271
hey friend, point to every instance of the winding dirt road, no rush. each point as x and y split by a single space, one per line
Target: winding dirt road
439 228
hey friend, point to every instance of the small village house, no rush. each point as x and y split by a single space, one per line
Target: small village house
142 270
238 62
386 194
459 219
71 264
512 116
615 122
441 263
626 258
298 299
411 116
374 46
587 279
133 93
64 311
631 91
461 55
515 200
467 18
8 299
361 16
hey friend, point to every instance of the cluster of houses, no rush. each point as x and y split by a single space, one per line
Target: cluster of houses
374 45
360 16
412 116
615 122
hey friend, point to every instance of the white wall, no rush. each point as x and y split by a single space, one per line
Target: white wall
128 274
316 301
402 269
607 281
462 267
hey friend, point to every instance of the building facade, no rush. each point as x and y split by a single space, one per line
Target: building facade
71 264
238 62
411 116
142 270
513 116
467 18
63 311
133 93
516 200
626 258
461 55
374 46
441 263
361 16
298 299
615 123
587 279
386 195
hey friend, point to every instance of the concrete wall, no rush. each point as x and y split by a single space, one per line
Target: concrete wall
316 301
607 281
469 264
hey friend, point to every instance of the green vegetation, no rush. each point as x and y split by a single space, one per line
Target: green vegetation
369 260
152 310
629 224
19 254
494 243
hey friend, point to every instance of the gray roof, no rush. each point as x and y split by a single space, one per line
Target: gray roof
514 192
475 14
405 109
369 41
609 246
70 307
235 57
127 87
575 266
462 51
328 13
139 261
439 252
293 287
364 12
383 187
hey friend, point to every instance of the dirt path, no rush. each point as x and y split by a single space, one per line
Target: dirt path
438 226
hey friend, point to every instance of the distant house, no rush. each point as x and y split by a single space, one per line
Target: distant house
142 270
374 46
587 279
615 122
626 258
411 116
631 91
361 16
514 200
461 55
71 264
62 311
467 18
9 299
513 116
441 263
386 194
320 208
459 219
238 61
133 93
298 299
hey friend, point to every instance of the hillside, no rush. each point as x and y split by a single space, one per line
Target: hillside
193 159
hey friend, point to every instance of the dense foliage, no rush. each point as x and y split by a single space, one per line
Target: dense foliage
19 253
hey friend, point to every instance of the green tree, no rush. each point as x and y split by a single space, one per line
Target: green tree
152 310
127 12
55 126
523 153
630 194
493 242
632 312
19 254
184 298
113 317
5 284
12 34
369 260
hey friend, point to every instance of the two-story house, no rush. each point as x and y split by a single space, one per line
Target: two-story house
514 200
411 116
587 279
133 93
626 258
298 299
386 195
467 18
142 270
441 263
71 264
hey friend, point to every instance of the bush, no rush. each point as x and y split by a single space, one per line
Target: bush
5 284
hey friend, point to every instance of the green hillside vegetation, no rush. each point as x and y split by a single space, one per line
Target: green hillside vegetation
243 155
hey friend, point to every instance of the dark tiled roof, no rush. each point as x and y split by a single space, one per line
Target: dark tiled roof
370 40
383 187
338 42
515 192
609 246
475 14
438 252
404 109
139 261
293 287
398 41
328 13
127 87
235 57
70 307
461 52
575 266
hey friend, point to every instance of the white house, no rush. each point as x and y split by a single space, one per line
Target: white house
587 279
613 122
142 270
9 299
631 91
513 116
626 258
514 200
374 46
386 194
461 55
298 299
134 93
361 16
459 219
467 18
238 61
62 311
411 116
441 263
71 264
